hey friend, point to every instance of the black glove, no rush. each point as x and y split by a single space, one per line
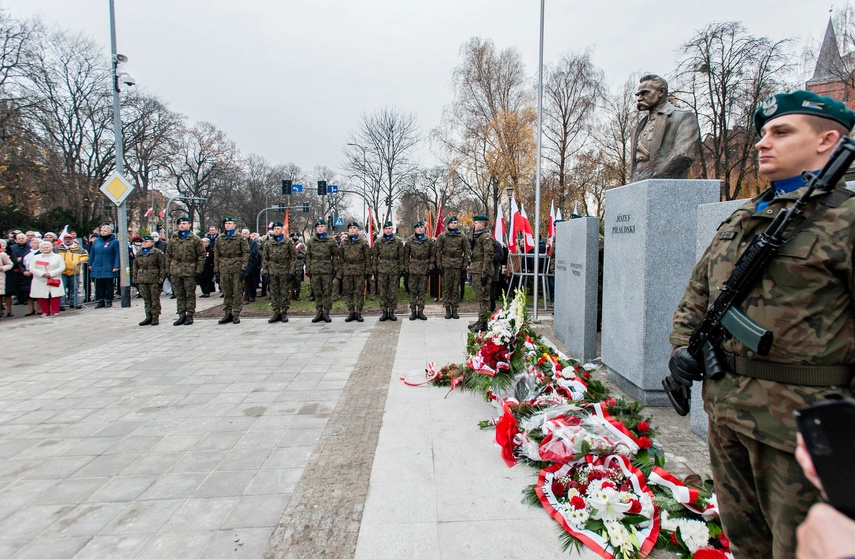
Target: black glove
684 368
243 274
484 281
198 278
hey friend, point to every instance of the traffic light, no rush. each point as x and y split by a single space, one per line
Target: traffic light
322 188
286 187
305 207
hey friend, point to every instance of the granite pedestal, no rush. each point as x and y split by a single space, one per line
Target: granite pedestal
650 232
576 265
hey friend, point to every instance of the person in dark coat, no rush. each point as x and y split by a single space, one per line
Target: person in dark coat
104 266
207 283
15 277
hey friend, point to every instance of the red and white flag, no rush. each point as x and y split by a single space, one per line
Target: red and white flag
370 228
62 234
148 212
513 227
550 239
161 213
525 227
499 228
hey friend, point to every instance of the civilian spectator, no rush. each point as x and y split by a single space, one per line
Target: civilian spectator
17 251
207 283
75 258
46 268
27 277
104 266
51 237
5 269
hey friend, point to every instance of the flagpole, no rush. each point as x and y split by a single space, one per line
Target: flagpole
538 161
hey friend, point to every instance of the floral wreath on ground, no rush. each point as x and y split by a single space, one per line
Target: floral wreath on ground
601 476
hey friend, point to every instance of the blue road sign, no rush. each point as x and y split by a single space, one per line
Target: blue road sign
339 221
296 188
332 189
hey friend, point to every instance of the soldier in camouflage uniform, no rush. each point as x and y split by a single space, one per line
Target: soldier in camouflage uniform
805 298
321 262
148 275
299 265
452 255
355 258
185 261
278 258
419 260
388 269
231 259
481 269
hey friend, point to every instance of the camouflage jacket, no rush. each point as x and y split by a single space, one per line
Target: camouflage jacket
805 298
300 248
482 253
185 257
278 258
388 255
231 254
355 257
452 251
321 255
149 268
419 255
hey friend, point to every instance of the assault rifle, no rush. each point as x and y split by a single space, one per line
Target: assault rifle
724 320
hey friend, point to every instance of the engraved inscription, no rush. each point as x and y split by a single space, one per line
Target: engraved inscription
623 229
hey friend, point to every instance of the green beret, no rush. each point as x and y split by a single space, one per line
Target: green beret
147 238
418 224
320 222
352 224
803 103
278 224
480 217
388 224
450 219
229 218
294 234
182 218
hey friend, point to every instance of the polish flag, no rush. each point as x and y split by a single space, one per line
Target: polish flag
525 227
161 213
499 228
148 212
370 228
513 227
62 235
550 239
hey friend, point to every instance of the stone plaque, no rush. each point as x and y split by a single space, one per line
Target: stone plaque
576 263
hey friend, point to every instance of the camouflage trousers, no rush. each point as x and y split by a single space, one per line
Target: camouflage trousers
232 287
387 286
322 287
280 293
354 292
184 288
482 292
150 293
762 494
451 287
418 285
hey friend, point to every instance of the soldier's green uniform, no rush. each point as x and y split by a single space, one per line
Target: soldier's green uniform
149 272
419 260
278 258
355 258
231 259
299 265
388 267
805 298
321 262
185 260
482 272
452 255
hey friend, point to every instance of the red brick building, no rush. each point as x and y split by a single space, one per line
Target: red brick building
833 75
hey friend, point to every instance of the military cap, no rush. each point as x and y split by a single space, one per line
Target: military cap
147 238
182 218
320 222
278 224
388 224
418 224
480 217
229 218
352 224
803 103
450 219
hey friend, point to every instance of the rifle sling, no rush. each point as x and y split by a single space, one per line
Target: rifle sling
832 199
804 375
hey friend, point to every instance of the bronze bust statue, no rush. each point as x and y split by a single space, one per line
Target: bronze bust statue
666 138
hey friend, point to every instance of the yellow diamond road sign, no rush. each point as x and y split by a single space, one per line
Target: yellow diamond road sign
117 188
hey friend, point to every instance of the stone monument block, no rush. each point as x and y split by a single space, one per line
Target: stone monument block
710 217
650 232
576 274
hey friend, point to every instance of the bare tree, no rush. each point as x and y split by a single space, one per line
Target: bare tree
724 75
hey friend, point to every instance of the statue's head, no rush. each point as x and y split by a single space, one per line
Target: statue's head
652 91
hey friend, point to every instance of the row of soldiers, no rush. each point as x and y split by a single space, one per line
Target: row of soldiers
389 260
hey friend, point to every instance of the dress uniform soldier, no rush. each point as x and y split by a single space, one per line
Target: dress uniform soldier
185 260
452 255
321 261
355 258
388 269
231 258
148 273
278 258
805 297
419 260
299 265
483 249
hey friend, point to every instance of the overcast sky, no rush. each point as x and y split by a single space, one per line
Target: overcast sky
288 79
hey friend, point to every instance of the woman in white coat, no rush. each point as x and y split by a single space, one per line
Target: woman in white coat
47 267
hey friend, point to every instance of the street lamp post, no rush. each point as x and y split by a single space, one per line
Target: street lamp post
364 169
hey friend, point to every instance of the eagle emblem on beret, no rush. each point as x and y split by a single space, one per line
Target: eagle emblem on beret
770 106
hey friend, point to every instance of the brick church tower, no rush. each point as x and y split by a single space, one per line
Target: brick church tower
830 77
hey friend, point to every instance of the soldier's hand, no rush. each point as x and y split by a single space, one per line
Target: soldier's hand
484 281
685 368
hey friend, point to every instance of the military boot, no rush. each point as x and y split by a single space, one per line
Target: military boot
392 316
359 317
146 322
225 320
155 320
384 317
413 315
188 320
275 318
454 313
327 316
318 317
421 314
236 320
351 317
447 312
285 316
180 320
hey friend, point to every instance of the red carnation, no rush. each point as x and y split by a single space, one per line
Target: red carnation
577 502
577 368
709 553
586 375
644 443
558 367
634 507
558 488
608 484
596 474
609 403
643 427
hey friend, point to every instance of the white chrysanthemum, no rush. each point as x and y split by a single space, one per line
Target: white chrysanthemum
578 517
618 534
666 522
695 534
